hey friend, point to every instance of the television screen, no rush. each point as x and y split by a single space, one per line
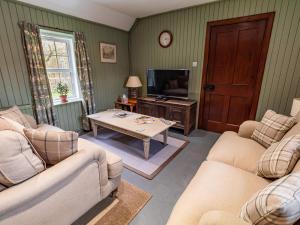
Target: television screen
170 83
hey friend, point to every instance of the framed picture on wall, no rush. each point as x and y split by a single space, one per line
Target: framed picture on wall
108 52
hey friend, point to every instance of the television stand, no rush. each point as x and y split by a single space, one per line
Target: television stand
183 112
160 98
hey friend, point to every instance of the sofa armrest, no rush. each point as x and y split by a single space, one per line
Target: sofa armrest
31 121
48 182
247 128
113 165
217 217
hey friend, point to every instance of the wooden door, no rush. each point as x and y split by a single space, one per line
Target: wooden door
235 55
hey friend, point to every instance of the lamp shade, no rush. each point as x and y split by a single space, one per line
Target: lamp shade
295 107
133 82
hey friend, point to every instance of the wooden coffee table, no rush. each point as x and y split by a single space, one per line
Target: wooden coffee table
129 126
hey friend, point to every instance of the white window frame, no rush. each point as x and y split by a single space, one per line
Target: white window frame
69 40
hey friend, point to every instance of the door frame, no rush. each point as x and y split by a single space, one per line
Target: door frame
267 36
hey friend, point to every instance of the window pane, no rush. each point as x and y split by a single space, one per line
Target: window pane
66 78
51 62
48 47
63 62
55 78
61 48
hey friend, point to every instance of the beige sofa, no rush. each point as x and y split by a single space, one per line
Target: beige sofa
225 181
65 191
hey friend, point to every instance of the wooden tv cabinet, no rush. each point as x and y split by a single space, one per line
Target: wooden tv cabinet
183 112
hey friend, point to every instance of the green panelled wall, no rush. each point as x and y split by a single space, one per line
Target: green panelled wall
282 72
14 86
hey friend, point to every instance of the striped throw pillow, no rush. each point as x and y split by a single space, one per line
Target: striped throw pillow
272 128
15 114
277 204
280 158
53 146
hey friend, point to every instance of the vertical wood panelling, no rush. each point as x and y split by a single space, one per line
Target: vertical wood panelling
14 86
281 80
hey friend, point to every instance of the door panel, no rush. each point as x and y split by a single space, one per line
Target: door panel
238 110
223 56
248 52
215 105
235 55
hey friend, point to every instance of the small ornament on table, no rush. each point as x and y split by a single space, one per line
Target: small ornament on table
124 99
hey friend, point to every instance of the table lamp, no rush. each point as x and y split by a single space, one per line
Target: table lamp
133 83
295 107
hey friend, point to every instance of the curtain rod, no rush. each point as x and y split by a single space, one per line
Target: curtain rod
55 28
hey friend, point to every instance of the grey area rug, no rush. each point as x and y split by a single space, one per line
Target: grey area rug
131 151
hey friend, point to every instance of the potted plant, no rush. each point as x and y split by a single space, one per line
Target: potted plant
63 90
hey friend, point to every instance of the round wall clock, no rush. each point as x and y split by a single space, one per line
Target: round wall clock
165 38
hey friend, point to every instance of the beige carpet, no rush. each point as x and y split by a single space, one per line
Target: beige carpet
131 151
130 200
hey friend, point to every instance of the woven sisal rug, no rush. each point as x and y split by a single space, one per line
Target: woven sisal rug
130 200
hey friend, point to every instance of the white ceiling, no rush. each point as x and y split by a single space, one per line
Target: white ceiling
115 13
142 8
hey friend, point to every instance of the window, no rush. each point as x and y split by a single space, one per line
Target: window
59 56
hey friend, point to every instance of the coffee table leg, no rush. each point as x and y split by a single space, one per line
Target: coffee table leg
146 147
165 137
95 129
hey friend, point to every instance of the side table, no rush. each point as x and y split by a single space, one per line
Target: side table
131 105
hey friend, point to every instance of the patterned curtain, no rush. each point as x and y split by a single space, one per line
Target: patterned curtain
84 74
40 88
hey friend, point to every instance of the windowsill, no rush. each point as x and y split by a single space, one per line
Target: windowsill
70 101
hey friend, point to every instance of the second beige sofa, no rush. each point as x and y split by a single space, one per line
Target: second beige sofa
225 181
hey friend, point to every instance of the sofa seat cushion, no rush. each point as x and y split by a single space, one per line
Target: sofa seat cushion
114 162
216 186
236 151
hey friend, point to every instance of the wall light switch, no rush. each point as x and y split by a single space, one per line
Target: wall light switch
195 64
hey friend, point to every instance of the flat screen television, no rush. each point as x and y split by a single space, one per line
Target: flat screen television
168 83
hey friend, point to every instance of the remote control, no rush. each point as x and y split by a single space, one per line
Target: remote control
165 121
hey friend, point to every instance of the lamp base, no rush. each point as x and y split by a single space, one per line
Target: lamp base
132 92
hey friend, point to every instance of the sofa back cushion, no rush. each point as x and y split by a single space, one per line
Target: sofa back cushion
280 158
272 128
17 159
296 167
278 203
53 146
16 115
293 131
2 188
8 124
